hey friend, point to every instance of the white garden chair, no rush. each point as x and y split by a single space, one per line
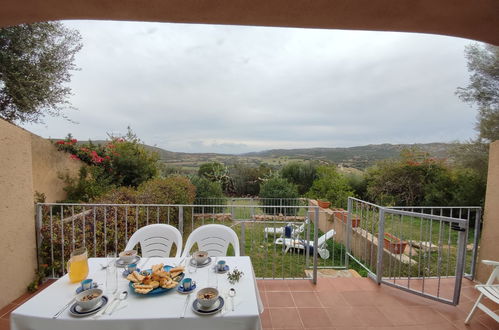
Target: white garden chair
299 244
488 290
156 240
279 231
214 239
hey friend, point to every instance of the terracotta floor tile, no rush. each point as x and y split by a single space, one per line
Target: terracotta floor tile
344 316
265 300
426 315
285 318
398 315
331 299
321 328
488 321
347 327
280 299
306 299
301 285
360 298
372 317
441 326
474 325
323 284
265 317
314 317
261 285
345 284
276 285
4 324
5 312
449 312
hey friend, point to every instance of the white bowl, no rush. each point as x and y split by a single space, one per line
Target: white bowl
204 301
88 304
200 256
128 256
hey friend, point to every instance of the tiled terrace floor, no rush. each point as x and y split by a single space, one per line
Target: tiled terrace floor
348 303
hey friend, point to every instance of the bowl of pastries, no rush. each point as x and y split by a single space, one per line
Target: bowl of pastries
158 279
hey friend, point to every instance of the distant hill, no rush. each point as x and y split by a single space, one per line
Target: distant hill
359 157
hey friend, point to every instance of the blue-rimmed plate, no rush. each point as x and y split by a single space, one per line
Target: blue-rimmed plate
181 289
217 307
218 271
77 311
158 290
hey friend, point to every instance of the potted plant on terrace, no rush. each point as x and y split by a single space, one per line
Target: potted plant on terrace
343 216
394 244
323 204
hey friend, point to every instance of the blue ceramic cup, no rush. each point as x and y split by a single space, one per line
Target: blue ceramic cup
86 284
187 283
221 265
131 268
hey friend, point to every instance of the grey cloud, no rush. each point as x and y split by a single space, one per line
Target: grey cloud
203 88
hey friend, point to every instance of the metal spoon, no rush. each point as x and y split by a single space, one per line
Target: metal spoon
123 296
232 293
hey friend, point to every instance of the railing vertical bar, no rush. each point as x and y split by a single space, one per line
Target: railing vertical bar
316 246
347 231
116 230
147 215
84 227
136 218
105 231
39 237
73 227
439 258
126 225
157 214
62 239
95 232
51 244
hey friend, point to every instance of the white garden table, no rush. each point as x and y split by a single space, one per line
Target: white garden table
147 313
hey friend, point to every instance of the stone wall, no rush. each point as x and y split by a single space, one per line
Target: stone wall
28 164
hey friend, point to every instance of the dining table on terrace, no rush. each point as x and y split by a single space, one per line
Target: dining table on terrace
148 312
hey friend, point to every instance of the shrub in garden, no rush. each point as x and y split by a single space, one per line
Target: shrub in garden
302 174
208 193
331 186
122 161
278 192
247 179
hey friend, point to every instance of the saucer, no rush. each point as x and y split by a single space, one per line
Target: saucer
126 272
77 311
204 264
226 268
215 308
94 286
180 289
121 263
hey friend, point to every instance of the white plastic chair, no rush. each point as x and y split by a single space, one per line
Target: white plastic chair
290 243
489 290
280 230
156 240
214 239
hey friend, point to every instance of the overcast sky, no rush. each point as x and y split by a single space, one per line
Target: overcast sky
233 89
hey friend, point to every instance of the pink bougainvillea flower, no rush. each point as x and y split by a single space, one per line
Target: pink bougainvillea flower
60 142
74 157
74 140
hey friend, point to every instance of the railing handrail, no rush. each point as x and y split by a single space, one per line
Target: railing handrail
178 205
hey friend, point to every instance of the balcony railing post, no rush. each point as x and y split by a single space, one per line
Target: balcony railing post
242 240
38 228
381 235
476 238
316 247
181 219
348 231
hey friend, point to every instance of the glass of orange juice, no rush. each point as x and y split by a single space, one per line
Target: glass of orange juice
78 265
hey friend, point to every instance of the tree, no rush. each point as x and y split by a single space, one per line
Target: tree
331 186
302 174
483 89
279 193
35 65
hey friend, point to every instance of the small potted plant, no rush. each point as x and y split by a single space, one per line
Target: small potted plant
323 204
343 216
394 244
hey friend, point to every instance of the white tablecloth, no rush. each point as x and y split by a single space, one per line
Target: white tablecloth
142 312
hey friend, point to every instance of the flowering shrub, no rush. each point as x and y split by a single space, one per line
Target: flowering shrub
122 161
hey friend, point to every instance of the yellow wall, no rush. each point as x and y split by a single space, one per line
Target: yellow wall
28 163
489 243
